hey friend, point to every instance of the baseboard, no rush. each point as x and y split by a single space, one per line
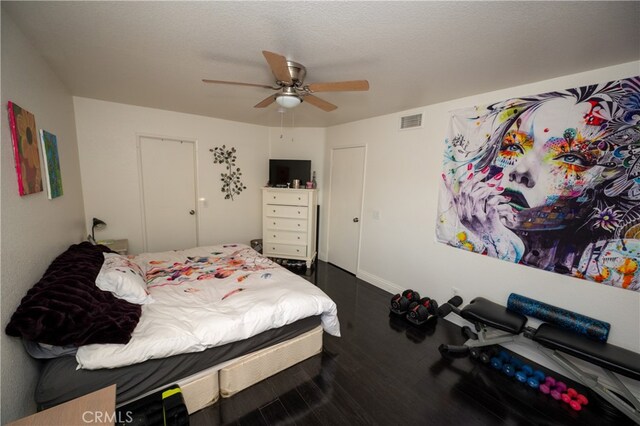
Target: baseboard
379 282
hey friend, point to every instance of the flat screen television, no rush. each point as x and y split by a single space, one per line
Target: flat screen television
283 172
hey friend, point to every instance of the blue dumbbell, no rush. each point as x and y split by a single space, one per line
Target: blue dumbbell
524 372
527 369
504 356
496 363
521 376
517 363
509 369
536 378
533 382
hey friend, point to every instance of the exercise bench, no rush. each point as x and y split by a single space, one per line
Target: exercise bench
496 324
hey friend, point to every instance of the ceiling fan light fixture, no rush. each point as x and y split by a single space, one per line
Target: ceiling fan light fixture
288 100
289 81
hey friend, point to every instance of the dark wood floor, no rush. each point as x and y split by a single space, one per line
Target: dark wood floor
383 371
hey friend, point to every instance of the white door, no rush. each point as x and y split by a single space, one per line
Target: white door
345 206
169 194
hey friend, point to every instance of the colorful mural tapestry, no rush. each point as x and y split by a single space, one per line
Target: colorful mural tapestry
550 181
25 149
51 164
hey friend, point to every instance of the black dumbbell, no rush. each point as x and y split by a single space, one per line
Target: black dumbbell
451 306
475 353
487 354
400 302
421 311
483 354
455 301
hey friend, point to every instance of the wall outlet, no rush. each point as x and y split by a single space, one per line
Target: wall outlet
375 214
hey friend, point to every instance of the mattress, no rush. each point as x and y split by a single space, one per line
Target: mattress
206 297
61 381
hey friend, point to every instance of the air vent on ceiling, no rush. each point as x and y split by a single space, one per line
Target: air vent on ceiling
411 121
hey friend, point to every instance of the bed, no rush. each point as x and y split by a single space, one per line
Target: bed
213 319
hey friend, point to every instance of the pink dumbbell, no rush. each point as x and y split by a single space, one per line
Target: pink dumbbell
549 383
574 399
557 391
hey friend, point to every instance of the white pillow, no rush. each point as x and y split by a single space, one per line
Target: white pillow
124 279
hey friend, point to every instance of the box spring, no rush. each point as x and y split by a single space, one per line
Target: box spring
60 381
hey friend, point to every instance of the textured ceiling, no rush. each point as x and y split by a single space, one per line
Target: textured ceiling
155 54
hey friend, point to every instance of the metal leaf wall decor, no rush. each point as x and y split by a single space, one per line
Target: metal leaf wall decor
231 183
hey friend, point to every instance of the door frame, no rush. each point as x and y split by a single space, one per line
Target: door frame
143 214
364 184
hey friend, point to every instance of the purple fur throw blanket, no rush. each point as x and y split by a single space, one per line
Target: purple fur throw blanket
66 308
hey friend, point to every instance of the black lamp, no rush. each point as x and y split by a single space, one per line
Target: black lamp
97 224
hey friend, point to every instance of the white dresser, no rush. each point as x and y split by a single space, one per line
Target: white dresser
289 223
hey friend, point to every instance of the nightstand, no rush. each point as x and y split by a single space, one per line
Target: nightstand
119 246
97 408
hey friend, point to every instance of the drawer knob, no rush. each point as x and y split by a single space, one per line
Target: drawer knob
274 235
298 211
274 197
298 237
298 250
298 225
274 211
274 223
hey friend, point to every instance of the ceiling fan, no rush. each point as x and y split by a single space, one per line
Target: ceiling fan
291 88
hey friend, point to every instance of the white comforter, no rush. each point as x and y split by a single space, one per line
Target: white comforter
207 297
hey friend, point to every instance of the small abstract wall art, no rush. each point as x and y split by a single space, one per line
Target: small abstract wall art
550 181
51 164
25 149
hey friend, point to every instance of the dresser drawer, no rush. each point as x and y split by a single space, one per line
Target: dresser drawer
298 212
287 198
273 236
284 249
285 224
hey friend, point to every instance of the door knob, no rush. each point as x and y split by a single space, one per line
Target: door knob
356 220
192 212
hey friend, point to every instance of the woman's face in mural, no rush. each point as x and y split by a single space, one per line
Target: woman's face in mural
546 158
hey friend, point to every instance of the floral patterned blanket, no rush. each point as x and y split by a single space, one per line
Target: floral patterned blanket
211 296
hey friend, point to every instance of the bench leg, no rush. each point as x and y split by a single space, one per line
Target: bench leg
627 393
485 338
488 338
631 409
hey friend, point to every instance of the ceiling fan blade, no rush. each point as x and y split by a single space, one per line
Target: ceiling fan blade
279 67
320 103
340 86
237 83
265 102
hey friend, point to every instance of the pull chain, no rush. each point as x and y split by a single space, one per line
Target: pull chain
281 122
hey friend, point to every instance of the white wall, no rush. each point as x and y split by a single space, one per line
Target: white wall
107 137
399 250
34 229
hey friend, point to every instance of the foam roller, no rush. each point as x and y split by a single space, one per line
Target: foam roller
578 323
